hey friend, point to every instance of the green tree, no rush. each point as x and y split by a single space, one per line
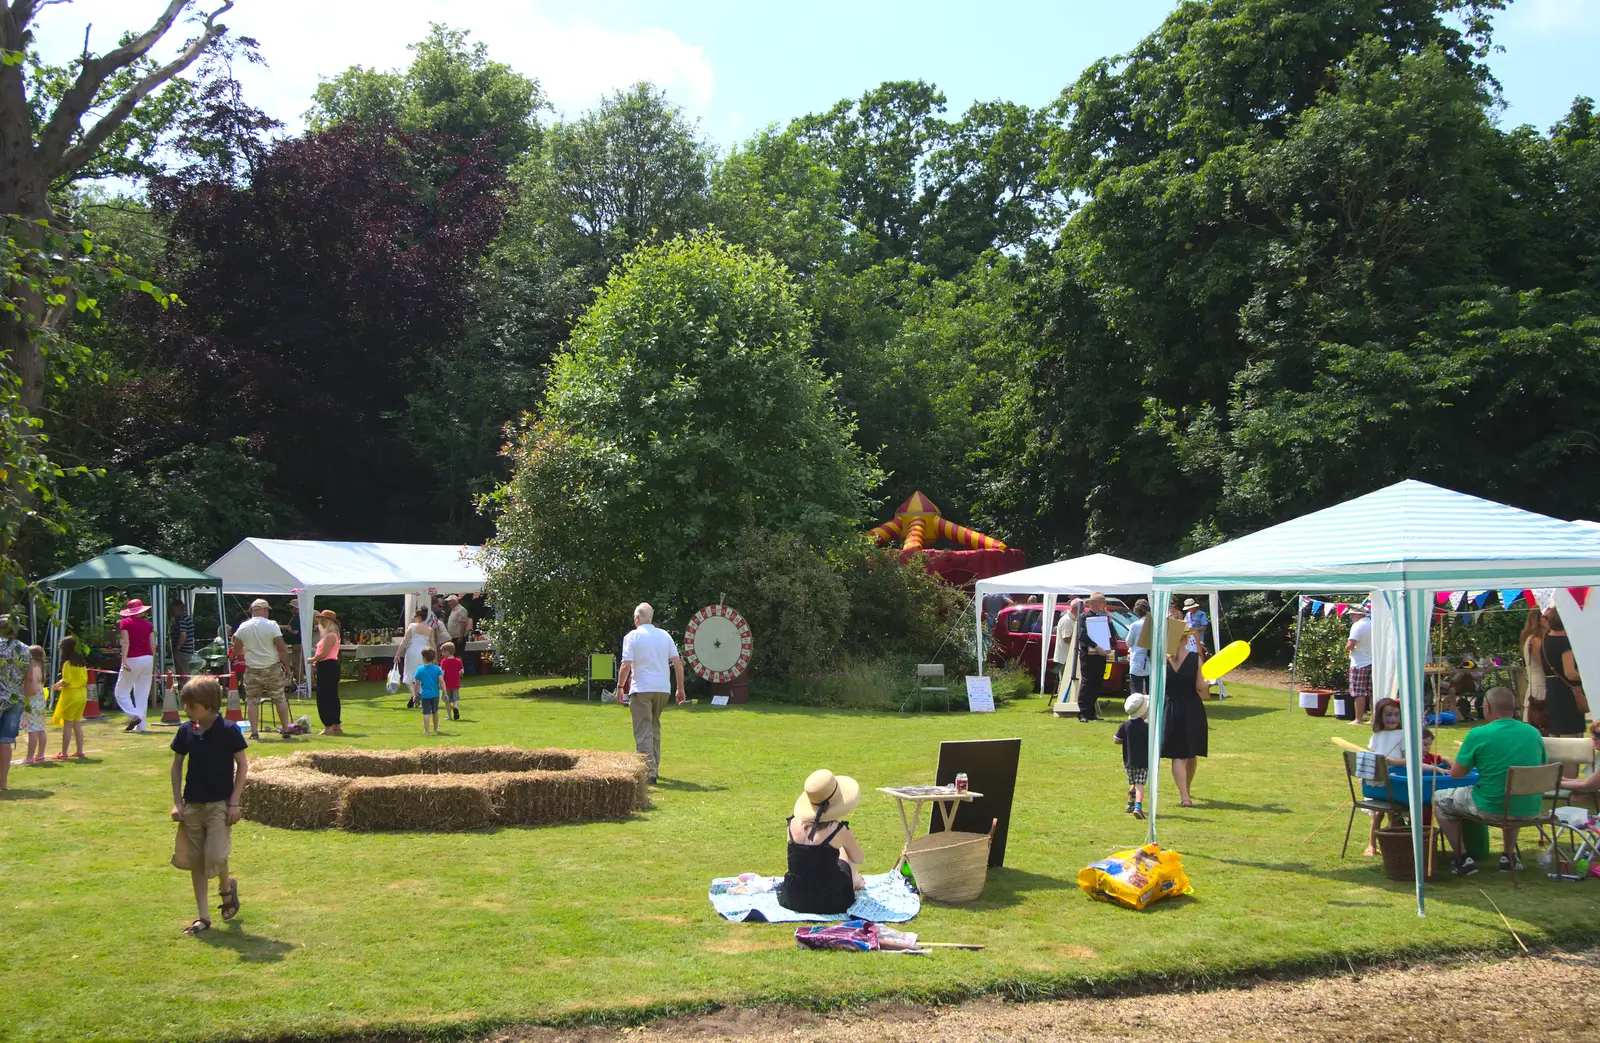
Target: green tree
685 413
450 87
1306 263
629 172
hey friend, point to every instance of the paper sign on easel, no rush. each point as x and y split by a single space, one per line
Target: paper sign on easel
980 694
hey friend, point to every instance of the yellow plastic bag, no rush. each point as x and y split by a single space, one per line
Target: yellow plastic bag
1136 877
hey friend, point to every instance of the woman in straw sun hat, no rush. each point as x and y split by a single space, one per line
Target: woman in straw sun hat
138 664
824 858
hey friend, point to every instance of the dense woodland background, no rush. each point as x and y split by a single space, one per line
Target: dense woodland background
1278 255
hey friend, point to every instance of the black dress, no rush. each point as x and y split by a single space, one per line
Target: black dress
1565 717
1184 732
818 881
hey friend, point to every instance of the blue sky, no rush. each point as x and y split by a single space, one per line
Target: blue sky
739 66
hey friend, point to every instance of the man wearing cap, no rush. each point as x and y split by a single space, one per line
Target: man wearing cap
650 661
1359 648
259 641
1091 659
459 624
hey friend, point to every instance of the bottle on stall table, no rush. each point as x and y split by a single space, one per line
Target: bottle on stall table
961 782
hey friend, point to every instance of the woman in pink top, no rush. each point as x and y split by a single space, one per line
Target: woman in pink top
325 666
138 664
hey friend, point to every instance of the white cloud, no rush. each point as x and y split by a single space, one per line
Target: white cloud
574 60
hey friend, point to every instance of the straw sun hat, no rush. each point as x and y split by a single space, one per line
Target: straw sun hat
828 797
1191 605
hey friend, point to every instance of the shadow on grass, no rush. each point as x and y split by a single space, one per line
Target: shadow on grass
252 948
1232 711
1005 886
685 786
27 794
1207 804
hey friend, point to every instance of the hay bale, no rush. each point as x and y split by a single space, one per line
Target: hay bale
366 763
467 760
442 803
291 797
598 786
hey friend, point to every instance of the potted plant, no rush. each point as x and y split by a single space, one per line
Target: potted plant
1321 665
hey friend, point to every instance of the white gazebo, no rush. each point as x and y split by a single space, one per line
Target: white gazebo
308 568
1403 544
1075 578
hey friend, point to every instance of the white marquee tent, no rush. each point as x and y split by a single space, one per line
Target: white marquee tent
307 568
1402 543
1075 578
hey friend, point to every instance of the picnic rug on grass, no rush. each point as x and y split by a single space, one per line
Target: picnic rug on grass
749 898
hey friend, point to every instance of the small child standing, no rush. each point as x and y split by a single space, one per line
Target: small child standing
73 687
35 718
452 667
1133 735
425 689
206 802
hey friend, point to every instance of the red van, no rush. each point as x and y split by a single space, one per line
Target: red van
1016 639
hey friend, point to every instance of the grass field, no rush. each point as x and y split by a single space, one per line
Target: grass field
442 934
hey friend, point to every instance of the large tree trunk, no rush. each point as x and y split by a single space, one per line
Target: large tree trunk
23 193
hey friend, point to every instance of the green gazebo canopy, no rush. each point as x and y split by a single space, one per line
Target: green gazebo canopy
127 566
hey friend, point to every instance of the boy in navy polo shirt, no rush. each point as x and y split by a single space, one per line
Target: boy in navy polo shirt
206 802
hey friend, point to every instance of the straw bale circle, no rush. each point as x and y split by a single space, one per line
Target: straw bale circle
443 789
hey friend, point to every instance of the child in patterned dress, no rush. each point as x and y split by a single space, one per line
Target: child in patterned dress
35 718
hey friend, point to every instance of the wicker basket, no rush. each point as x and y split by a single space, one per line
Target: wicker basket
951 866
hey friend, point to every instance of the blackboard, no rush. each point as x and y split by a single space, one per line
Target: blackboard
991 767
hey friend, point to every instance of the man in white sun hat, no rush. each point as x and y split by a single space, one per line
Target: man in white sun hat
259 642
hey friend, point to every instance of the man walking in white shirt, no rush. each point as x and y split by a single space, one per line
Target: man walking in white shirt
650 662
259 642
1360 649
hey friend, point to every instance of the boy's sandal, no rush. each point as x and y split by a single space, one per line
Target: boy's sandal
200 924
230 904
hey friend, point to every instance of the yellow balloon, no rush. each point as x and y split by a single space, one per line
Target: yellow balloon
1225 660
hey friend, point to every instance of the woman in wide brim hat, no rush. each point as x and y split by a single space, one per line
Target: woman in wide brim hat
137 670
824 864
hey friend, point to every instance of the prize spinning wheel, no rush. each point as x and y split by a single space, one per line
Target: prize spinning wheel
717 644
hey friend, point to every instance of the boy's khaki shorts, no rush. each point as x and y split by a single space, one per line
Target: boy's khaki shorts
204 837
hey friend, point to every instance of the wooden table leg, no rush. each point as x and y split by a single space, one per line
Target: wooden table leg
909 827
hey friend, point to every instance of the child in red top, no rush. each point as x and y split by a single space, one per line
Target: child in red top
452 666
1434 761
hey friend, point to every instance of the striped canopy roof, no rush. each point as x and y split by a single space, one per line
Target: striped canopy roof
1410 534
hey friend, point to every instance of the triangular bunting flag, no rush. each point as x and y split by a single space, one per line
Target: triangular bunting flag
1458 599
1316 608
1341 608
1481 598
1442 598
1579 594
1509 598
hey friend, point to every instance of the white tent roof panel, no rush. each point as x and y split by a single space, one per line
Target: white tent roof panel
1106 573
259 566
1410 534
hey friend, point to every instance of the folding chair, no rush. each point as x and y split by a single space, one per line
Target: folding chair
1524 781
602 668
930 678
1361 802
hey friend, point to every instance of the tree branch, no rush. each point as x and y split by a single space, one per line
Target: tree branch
54 154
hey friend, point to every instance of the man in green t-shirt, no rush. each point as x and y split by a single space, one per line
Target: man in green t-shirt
1502 743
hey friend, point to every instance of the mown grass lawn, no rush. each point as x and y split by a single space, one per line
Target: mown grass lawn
343 932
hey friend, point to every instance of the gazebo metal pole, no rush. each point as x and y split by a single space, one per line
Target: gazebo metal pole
1160 600
1294 664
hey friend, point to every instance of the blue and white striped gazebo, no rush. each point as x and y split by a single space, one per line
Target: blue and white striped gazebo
1402 544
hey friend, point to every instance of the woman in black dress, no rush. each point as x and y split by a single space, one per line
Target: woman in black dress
1184 730
1563 687
824 857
